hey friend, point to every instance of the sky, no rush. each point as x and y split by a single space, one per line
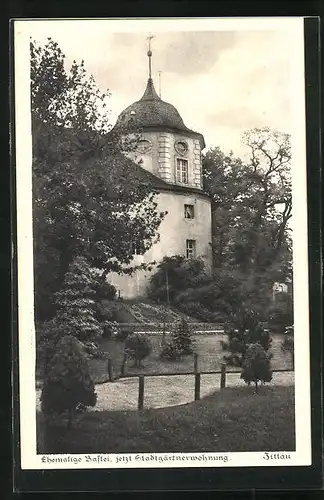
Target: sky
223 80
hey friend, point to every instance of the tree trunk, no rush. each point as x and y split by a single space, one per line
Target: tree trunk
256 386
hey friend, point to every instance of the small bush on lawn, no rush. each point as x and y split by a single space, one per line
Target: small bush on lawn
137 347
179 344
182 337
67 383
243 329
170 351
256 365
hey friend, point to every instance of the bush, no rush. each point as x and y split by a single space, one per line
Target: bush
137 347
281 313
288 342
256 365
67 383
179 272
182 337
179 344
170 351
196 310
243 330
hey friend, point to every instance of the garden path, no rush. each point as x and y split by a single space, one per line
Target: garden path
166 391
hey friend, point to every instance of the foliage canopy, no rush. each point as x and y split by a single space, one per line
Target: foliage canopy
88 198
68 382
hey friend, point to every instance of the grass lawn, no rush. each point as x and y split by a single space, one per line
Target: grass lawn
209 351
232 420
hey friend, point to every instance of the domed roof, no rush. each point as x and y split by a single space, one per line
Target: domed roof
151 111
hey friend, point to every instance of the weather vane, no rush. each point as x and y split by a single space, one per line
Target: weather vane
149 53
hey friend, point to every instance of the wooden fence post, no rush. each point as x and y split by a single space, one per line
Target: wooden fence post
197 386
223 376
122 368
140 392
195 362
110 370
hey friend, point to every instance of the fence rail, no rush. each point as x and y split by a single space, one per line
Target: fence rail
223 371
209 372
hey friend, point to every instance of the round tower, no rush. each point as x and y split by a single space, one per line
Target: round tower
172 153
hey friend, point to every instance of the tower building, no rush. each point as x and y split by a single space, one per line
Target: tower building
171 153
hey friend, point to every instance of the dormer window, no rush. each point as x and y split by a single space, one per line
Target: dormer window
182 171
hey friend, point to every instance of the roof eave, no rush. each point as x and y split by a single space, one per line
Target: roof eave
167 128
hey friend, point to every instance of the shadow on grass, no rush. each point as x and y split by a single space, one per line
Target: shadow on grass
232 420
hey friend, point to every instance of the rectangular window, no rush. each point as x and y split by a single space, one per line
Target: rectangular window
189 212
191 249
182 171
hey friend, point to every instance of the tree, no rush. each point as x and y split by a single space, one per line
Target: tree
68 381
251 203
269 166
137 347
251 209
256 365
88 198
182 338
76 307
224 180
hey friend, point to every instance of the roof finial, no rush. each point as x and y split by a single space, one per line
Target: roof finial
149 53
